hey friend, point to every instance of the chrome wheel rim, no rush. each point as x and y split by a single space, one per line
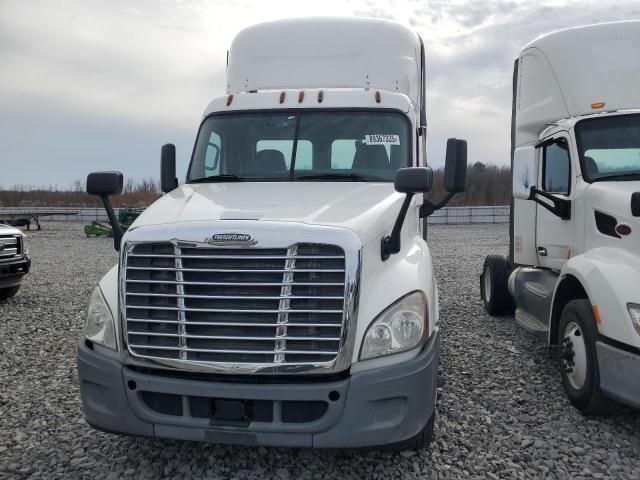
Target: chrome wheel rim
487 285
574 355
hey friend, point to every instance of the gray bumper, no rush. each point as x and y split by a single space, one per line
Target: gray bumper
377 407
619 371
11 273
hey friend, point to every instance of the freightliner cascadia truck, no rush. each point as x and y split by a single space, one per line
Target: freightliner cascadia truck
285 293
573 273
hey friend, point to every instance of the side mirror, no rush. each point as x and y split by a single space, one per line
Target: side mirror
410 180
455 169
525 172
414 180
168 180
105 184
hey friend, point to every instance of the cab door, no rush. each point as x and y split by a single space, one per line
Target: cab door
554 224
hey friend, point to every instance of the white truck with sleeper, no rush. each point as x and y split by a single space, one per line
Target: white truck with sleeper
573 273
285 293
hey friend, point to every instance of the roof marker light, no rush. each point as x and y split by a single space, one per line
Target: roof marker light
597 105
301 96
378 97
320 96
229 100
282 95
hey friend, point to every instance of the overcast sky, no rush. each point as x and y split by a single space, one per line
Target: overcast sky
102 84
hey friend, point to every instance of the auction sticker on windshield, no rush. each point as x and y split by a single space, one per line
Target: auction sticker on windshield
381 139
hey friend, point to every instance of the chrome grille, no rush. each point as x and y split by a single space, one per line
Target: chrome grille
276 306
10 247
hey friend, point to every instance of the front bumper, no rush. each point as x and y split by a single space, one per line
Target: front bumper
375 407
11 272
619 370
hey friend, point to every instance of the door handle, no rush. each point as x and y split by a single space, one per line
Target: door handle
542 251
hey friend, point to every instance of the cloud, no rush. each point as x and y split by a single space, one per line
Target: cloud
83 83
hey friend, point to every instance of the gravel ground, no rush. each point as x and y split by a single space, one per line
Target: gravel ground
502 412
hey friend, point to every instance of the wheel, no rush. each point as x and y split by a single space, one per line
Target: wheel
493 286
6 293
579 361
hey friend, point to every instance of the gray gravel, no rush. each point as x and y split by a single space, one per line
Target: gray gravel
501 412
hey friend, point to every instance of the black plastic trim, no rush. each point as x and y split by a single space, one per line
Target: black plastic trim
514 99
619 345
606 224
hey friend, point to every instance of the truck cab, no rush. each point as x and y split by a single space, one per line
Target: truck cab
284 294
573 270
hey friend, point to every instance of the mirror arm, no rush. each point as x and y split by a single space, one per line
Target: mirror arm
428 207
391 243
115 225
561 207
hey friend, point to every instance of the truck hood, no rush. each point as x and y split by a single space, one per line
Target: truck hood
614 199
8 230
366 208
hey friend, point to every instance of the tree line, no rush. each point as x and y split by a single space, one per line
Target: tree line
486 185
134 194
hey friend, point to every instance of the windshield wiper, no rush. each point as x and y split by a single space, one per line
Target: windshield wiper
339 176
619 176
218 178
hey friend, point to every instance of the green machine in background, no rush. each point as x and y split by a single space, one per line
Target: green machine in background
126 217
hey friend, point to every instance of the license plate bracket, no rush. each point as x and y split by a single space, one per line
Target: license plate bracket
230 412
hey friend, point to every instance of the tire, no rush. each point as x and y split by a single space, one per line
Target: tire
6 293
579 361
493 286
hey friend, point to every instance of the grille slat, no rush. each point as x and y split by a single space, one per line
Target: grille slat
235 270
235 306
228 350
231 297
10 247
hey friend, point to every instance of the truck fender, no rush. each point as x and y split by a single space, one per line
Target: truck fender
609 278
387 282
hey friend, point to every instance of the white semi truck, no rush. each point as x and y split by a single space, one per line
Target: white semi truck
573 273
285 293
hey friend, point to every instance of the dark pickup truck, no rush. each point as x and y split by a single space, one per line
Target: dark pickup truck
14 260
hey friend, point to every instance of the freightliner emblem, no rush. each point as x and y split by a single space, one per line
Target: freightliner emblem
230 239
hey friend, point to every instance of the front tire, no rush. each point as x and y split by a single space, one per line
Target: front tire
6 293
494 286
579 361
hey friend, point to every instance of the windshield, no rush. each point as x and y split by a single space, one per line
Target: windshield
327 145
609 147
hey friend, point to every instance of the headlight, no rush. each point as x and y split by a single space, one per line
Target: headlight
25 246
400 327
634 312
100 327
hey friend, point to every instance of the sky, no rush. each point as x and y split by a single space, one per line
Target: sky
102 84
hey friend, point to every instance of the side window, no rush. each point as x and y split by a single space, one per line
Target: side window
212 155
304 153
556 168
